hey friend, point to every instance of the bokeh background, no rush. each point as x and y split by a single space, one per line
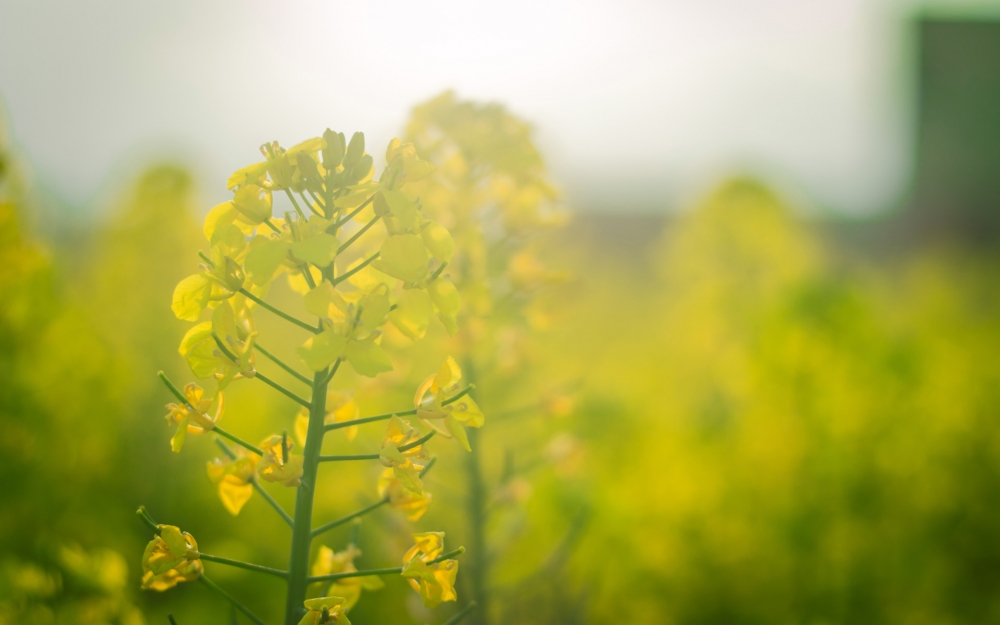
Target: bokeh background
769 389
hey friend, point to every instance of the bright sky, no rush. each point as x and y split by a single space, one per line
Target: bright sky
638 104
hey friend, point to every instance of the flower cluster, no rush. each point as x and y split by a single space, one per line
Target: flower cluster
355 279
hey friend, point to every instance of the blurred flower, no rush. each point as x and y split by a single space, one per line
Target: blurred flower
328 562
435 582
234 479
413 505
449 420
405 465
324 610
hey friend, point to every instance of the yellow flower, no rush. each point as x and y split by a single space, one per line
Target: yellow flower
205 414
405 465
219 280
328 562
170 558
278 463
235 330
323 610
340 406
234 479
449 420
413 505
435 582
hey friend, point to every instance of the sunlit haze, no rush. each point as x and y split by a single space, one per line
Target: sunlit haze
637 105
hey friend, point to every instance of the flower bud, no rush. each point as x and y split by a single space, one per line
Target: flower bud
333 153
355 150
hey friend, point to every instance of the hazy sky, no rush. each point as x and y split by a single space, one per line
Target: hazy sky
638 104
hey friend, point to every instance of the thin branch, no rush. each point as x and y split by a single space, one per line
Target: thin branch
281 389
170 617
398 569
238 441
348 457
420 441
401 413
283 315
357 234
260 489
333 229
464 612
244 565
291 197
434 276
309 204
406 447
332 524
354 270
225 595
338 522
180 396
295 374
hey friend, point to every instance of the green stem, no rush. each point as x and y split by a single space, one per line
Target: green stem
378 504
271 225
283 315
345 457
173 389
236 604
420 441
333 229
256 484
354 270
291 197
338 522
476 518
455 620
281 389
239 441
170 617
244 565
396 569
401 413
434 276
357 234
295 374
309 204
298 561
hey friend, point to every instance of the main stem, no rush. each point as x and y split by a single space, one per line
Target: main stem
476 516
298 560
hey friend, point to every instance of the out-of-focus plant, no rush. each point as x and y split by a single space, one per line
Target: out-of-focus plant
354 280
69 585
809 437
491 190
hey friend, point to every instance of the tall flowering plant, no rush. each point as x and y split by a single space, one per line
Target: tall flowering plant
362 253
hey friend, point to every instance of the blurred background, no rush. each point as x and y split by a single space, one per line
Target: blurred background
769 388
